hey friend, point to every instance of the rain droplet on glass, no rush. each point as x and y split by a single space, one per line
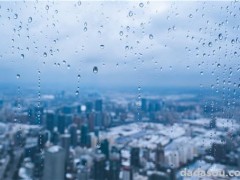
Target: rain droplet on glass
95 69
150 36
30 19
130 13
141 5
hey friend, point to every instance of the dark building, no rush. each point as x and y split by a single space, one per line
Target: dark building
115 165
144 105
135 159
219 151
89 106
55 136
61 123
38 161
157 175
73 135
84 135
104 147
99 171
98 119
98 105
160 154
50 121
65 143
42 139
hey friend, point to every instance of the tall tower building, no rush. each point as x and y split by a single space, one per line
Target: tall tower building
135 158
99 167
65 143
84 135
54 163
160 154
98 105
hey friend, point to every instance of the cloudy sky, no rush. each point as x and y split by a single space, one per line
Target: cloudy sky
147 44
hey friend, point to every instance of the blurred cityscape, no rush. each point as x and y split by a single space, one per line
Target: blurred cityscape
125 136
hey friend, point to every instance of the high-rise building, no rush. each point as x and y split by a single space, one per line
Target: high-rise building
61 123
127 173
135 158
98 105
89 106
65 143
50 121
144 105
42 139
98 119
54 163
83 173
104 147
84 135
99 167
115 165
73 134
55 136
160 154
219 151
158 175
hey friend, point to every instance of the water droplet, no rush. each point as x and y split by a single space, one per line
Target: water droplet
233 41
130 13
121 33
30 19
44 54
150 36
85 29
190 15
210 44
22 56
47 7
79 3
102 46
77 92
141 5
218 65
201 73
220 36
15 16
95 69
68 66
79 76
18 76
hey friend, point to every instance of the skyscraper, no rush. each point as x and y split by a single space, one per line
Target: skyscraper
160 154
135 159
115 165
50 121
73 133
144 105
65 143
104 147
84 135
98 105
99 167
54 163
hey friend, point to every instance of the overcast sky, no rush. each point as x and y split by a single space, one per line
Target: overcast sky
148 44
